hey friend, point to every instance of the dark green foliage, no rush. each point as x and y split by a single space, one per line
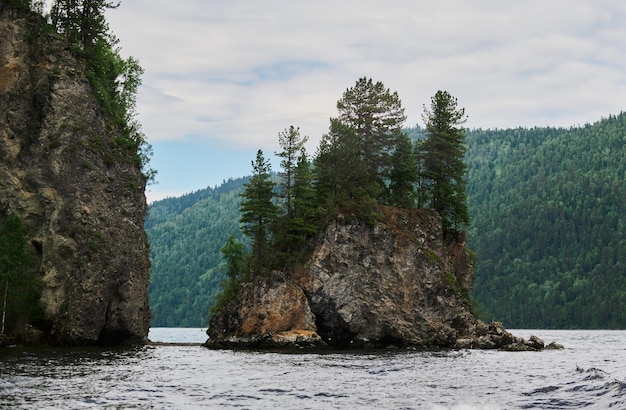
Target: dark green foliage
305 212
82 22
258 213
20 285
404 175
292 144
299 221
377 116
442 166
549 224
236 270
289 231
25 5
344 184
185 236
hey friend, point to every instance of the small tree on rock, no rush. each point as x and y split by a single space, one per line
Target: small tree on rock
19 284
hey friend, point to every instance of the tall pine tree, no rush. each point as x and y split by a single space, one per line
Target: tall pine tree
82 22
258 214
291 143
442 152
376 115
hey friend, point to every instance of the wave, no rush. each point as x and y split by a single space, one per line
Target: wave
589 388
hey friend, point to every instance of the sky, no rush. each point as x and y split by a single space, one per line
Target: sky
224 77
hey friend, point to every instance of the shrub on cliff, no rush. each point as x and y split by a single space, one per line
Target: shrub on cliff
19 282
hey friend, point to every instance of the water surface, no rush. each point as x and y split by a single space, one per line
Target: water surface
589 373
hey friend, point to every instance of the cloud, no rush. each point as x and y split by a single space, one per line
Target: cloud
239 72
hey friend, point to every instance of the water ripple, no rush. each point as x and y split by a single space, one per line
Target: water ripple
189 377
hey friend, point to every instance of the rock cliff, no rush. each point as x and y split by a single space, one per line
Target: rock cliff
65 172
396 283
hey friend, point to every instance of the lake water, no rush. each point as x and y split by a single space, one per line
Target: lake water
589 373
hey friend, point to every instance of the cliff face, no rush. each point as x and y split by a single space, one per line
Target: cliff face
394 283
397 283
65 173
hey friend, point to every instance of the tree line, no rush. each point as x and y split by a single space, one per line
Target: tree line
549 210
365 160
547 207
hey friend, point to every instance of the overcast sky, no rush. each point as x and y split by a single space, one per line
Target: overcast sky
223 78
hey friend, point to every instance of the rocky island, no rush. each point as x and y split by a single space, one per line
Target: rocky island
398 283
70 172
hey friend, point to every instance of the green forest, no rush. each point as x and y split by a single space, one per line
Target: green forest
185 236
547 225
549 217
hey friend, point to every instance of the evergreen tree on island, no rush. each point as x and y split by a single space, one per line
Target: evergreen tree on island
376 115
258 213
443 170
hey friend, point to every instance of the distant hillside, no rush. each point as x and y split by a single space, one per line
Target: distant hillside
549 224
185 235
549 218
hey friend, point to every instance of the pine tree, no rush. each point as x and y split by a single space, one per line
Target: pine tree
291 143
258 213
344 184
82 22
376 114
287 237
403 175
443 169
293 232
305 220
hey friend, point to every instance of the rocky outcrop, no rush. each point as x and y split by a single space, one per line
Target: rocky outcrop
270 314
397 283
65 172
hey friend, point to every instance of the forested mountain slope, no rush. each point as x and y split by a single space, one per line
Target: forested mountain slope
548 227
185 235
549 224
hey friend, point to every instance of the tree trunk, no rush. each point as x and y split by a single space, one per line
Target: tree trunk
4 304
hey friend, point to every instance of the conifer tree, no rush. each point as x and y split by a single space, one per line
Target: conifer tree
293 231
304 197
376 115
291 143
83 22
286 236
443 169
403 175
344 184
258 213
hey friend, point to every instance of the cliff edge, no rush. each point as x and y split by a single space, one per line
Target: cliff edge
397 283
67 173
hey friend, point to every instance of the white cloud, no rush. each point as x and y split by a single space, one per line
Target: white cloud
241 71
